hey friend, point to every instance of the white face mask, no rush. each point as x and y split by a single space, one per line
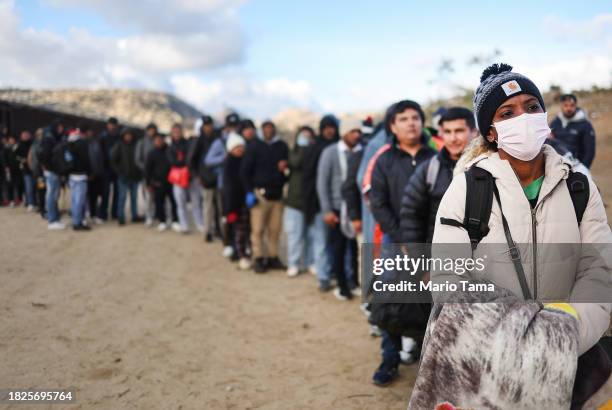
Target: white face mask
522 137
303 140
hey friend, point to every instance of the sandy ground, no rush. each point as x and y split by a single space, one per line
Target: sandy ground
133 318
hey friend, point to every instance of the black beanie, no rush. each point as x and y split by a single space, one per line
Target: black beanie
497 84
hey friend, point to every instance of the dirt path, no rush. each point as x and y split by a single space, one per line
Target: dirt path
133 318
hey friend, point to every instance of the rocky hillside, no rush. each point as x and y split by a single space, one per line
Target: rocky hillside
135 107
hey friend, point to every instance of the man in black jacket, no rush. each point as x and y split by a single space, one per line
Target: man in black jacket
313 217
124 166
157 167
23 149
97 174
572 128
404 120
77 178
394 167
205 175
53 135
108 139
263 175
429 182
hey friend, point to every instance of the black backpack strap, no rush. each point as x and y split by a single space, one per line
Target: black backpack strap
478 202
515 254
578 186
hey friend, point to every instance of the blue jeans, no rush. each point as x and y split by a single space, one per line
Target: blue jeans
78 196
28 182
322 253
52 181
126 185
299 245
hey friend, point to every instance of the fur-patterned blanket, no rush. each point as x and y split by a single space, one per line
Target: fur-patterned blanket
505 355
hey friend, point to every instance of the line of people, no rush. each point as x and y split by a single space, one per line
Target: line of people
349 183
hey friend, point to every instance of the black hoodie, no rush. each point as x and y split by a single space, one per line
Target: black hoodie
157 166
310 164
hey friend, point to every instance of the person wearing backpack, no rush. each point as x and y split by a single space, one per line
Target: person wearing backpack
423 194
512 189
430 180
408 148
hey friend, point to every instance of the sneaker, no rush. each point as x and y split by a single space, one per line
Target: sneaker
259 266
176 227
385 375
375 331
293 271
244 264
121 222
12 204
313 270
200 228
162 227
365 308
275 264
342 296
138 220
148 222
56 226
356 291
407 358
30 208
325 286
98 221
228 251
81 227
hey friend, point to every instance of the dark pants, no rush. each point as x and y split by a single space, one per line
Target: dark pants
339 245
15 186
127 187
161 193
391 346
41 194
110 184
95 192
240 232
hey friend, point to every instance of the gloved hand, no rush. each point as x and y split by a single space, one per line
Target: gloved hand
562 307
232 217
251 200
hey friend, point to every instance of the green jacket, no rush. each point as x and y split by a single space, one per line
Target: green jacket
294 195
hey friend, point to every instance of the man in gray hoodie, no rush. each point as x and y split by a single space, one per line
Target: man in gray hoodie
331 173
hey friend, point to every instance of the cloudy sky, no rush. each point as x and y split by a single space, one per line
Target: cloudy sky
262 56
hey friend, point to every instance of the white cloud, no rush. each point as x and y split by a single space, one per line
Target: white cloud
38 58
255 98
575 73
598 28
